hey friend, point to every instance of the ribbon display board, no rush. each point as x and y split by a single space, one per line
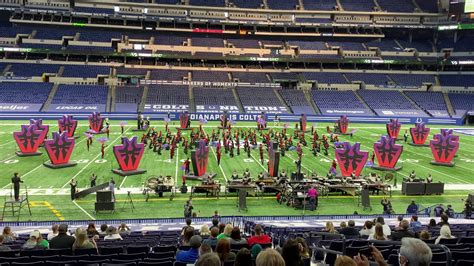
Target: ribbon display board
273 159
200 158
40 126
59 150
128 155
28 140
444 147
184 121
303 122
343 123
387 153
351 158
419 134
67 123
96 122
393 128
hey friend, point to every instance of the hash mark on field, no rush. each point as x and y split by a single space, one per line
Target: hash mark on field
95 158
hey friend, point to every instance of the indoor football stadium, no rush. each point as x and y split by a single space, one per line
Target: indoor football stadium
237 132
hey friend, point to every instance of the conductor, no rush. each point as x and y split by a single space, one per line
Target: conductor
16 180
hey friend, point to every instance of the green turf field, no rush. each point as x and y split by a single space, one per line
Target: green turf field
48 188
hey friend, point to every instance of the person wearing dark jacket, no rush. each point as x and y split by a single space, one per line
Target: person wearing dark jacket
403 232
62 240
350 231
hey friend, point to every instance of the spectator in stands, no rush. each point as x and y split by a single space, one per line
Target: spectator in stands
415 225
424 235
103 229
450 211
62 240
204 231
83 242
209 259
216 215
243 258
432 223
223 250
112 234
191 255
188 225
330 228
414 252
259 237
368 229
215 223
236 238
8 235
221 228
2 246
36 241
412 208
270 257
444 220
444 233
123 229
403 232
212 239
188 234
304 250
204 249
291 253
91 231
227 231
399 219
386 229
378 233
350 231
256 249
53 233
438 210
344 261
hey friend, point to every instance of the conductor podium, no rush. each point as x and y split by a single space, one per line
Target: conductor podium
104 201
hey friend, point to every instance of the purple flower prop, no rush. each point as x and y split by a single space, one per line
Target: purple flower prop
232 122
285 125
202 121
167 120
183 167
123 123
87 134
165 146
102 140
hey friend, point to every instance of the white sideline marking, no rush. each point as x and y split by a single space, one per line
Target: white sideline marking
90 216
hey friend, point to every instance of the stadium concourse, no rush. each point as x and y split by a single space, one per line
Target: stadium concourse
295 132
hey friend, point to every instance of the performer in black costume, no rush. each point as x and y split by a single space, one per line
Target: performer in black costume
16 180
73 185
93 180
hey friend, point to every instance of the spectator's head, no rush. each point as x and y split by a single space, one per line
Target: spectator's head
195 242
91 226
204 230
351 223
445 232
270 257
188 234
256 249
414 218
223 249
444 218
214 232
123 226
103 228
399 218
329 226
414 252
378 234
215 222
344 261
243 258
291 252
258 230
208 259
228 229
216 213
35 235
343 225
413 202
55 228
204 249
304 250
235 233
221 227
62 229
188 221
432 222
81 239
7 230
425 235
368 225
404 224
380 220
111 230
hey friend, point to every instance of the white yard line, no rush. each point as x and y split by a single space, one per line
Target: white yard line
4 160
123 181
95 158
6 143
263 167
23 176
82 209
